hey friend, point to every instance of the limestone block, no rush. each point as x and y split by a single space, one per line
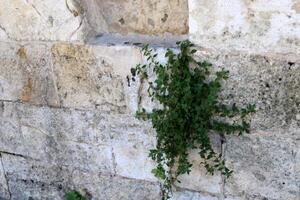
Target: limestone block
252 26
40 20
115 187
271 82
264 165
142 17
26 74
198 179
35 134
67 75
133 162
131 140
29 178
93 78
127 130
188 195
4 189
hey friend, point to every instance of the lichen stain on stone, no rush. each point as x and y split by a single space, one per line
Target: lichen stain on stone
67 52
21 53
27 91
73 59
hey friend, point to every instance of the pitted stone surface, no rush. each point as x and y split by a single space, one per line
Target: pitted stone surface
264 164
4 188
115 187
87 77
39 20
188 195
26 74
30 179
67 109
253 26
67 75
143 17
198 179
270 82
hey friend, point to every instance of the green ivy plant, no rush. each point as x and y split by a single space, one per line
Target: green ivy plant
74 195
188 93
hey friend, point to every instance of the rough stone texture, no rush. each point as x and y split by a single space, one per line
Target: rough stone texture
4 189
66 75
67 109
188 195
246 25
136 16
39 20
35 180
25 74
198 179
265 165
89 78
115 187
269 81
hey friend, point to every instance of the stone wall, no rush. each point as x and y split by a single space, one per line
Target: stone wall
67 110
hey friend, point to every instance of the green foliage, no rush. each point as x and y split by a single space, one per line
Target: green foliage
188 93
74 195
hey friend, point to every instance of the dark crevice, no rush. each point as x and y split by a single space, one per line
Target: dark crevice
15 154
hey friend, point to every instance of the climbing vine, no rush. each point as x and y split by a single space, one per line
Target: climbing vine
188 93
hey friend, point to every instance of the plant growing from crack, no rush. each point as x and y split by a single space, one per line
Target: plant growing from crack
74 195
190 108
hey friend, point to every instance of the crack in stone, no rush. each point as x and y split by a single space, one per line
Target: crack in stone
74 12
139 95
33 6
223 178
77 29
6 178
114 163
182 189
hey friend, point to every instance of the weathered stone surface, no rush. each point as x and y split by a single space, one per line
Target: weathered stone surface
188 195
67 75
67 111
198 179
90 77
131 141
39 20
133 162
115 187
4 189
144 17
28 178
45 134
265 165
26 74
270 82
253 26
35 180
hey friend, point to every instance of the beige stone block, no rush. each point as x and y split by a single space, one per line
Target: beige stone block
191 195
251 26
39 20
89 77
141 17
264 165
26 74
